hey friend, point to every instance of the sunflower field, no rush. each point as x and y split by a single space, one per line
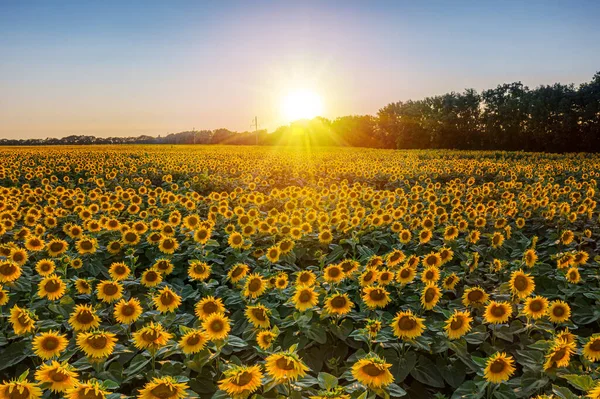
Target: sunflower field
169 272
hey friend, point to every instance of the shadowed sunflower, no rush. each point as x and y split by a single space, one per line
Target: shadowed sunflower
559 311
407 326
394 258
164 266
216 326
192 342
96 344
560 354
573 275
373 372
255 286
430 296
83 286
84 318
127 312
207 306
166 300
285 366
335 393
368 277
474 296
241 381
238 272
57 377
497 312
338 304
305 298
51 287
152 337
375 297
49 344
198 270
19 390
458 324
535 307
86 390
499 368
21 320
163 388
450 281
521 284
258 315
109 291
591 349
265 339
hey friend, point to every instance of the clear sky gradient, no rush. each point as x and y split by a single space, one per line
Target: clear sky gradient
125 68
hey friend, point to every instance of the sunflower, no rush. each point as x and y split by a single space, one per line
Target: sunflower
130 237
9 271
127 312
573 275
86 390
306 278
152 337
51 287
58 377
49 344
265 339
192 342
166 300
45 267
394 258
405 236
281 282
333 274
305 298
163 266
497 312
109 291
535 307
325 236
3 296
208 306
236 240
425 236
258 315
21 320
567 237
407 326
163 388
446 255
432 260
530 257
594 393
255 286
499 368
580 258
202 235
119 271
83 318
521 284
238 272
591 350
450 281
559 354
458 324
199 270
21 389
96 344
430 275
241 381
338 304
559 311
168 245
285 366
368 277
86 245
373 327
474 296
151 278
216 326
373 372
430 296
405 275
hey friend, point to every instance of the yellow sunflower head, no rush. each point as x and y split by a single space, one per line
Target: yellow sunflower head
285 366
407 326
373 372
49 344
96 344
458 324
499 368
216 326
241 381
56 376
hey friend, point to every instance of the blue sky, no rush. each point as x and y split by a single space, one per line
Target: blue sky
129 68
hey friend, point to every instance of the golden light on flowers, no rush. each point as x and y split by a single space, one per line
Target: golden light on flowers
9 271
559 354
86 390
127 312
51 287
216 326
255 286
407 326
406 274
241 381
305 298
20 390
193 341
265 339
497 312
96 344
499 368
57 377
21 320
373 372
109 291
208 306
285 366
535 307
559 311
521 284
119 271
258 316
166 300
306 278
591 350
83 318
152 336
49 344
45 267
458 324
338 304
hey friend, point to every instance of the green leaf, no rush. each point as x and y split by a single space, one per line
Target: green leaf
136 365
395 391
15 353
581 382
563 392
405 366
426 372
327 381
470 390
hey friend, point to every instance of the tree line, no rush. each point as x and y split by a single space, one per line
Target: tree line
550 118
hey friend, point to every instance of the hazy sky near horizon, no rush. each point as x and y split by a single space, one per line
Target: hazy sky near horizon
125 68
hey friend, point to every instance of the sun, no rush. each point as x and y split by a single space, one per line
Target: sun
301 104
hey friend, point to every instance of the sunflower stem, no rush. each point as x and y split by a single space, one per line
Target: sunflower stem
289 388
